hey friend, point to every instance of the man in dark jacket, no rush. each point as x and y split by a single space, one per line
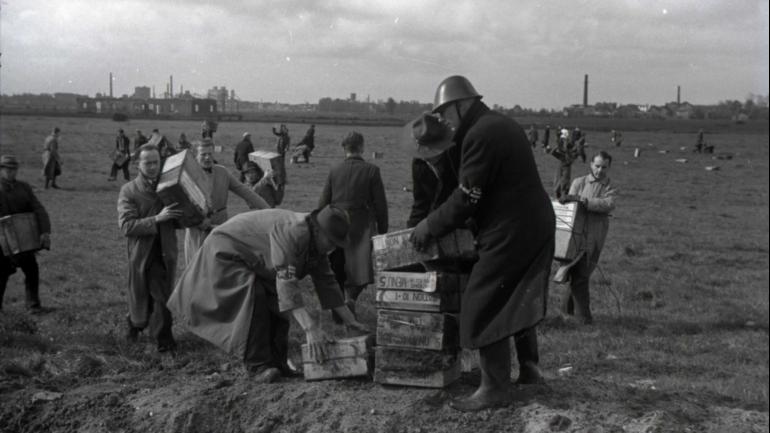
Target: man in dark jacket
355 186
17 197
500 189
241 156
122 156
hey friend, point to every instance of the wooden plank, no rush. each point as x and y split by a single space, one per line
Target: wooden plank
415 367
349 357
394 251
570 230
418 330
419 291
184 182
19 233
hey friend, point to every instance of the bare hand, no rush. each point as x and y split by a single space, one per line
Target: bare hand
168 213
421 236
45 241
316 344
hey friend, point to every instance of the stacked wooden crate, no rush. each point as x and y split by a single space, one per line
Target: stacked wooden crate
417 299
183 182
19 233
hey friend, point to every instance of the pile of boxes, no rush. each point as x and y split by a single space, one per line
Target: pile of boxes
417 301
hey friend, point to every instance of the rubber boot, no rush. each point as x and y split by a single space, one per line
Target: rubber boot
528 357
495 366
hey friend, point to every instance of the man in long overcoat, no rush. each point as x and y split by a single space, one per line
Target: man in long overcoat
150 231
51 159
500 189
241 155
122 153
245 280
355 186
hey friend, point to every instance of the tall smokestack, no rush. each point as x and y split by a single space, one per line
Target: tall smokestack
110 84
171 86
585 91
678 95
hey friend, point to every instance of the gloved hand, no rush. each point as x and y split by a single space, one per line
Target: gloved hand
421 236
569 198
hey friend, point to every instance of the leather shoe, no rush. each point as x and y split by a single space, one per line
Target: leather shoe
268 375
529 374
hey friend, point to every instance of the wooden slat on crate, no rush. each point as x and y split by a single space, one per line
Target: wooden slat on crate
419 291
420 330
184 182
416 367
570 230
266 160
19 233
394 251
349 357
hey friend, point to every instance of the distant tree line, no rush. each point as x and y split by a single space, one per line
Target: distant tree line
389 106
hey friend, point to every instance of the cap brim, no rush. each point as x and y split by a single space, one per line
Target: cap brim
423 151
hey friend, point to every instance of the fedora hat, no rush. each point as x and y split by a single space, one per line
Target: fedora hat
426 136
9 161
334 223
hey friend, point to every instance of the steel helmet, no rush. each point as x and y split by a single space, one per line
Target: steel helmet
453 89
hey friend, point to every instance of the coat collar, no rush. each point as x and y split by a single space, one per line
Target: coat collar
473 114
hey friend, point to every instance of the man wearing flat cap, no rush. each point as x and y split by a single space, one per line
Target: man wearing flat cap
514 224
16 197
242 284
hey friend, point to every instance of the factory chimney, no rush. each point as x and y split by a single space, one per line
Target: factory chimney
585 91
110 84
171 86
678 95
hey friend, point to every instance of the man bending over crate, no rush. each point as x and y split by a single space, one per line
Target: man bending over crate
245 279
16 197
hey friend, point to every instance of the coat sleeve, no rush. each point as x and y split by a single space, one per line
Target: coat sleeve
43 221
475 171
377 192
604 202
326 286
129 220
326 193
241 190
424 184
285 256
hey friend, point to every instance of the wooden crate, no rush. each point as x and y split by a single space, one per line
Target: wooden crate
119 158
393 251
267 160
349 357
419 291
184 182
570 230
417 329
416 367
19 233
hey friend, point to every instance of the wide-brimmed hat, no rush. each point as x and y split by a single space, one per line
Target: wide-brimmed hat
334 223
426 136
9 161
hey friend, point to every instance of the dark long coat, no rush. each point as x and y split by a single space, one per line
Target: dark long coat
432 183
500 189
356 186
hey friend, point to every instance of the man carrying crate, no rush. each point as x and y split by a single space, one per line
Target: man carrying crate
17 197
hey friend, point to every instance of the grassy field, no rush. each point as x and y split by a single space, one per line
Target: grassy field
680 340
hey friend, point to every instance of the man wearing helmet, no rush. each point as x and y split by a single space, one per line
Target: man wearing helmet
514 224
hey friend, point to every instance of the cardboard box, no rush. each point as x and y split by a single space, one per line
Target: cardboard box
267 160
416 367
419 291
570 230
393 251
19 233
417 329
184 182
349 357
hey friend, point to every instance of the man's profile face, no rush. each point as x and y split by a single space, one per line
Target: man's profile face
600 167
252 176
149 163
205 156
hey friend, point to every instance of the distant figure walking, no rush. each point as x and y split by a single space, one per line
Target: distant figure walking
208 128
183 143
566 156
532 135
265 183
139 140
121 157
284 141
305 147
700 144
546 136
616 138
241 156
578 140
51 159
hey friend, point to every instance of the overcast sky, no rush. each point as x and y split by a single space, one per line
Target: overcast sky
528 52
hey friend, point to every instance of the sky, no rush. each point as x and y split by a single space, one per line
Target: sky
531 53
